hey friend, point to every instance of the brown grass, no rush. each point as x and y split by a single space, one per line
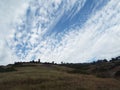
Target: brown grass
53 77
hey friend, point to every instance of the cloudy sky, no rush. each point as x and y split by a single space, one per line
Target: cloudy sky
59 30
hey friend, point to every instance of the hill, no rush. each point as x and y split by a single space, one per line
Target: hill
100 68
100 75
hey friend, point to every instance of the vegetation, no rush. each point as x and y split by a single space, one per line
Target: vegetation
100 68
6 69
51 76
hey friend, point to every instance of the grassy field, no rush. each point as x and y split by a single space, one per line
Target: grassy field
53 77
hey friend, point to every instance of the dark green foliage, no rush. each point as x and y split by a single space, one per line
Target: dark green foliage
83 66
103 75
117 74
78 71
6 69
100 68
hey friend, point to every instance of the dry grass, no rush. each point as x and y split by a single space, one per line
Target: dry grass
42 77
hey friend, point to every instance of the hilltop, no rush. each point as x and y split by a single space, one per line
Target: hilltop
99 75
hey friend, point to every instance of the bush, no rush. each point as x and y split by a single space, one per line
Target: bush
103 75
78 71
117 74
8 69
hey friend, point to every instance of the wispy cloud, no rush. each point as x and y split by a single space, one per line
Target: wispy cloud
8 11
97 38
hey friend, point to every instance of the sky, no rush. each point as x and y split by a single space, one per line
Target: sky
74 31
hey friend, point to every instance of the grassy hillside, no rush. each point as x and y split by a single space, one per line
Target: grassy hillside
35 76
100 68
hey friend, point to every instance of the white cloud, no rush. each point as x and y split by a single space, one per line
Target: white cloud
8 10
98 38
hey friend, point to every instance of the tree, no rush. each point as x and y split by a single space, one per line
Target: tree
38 60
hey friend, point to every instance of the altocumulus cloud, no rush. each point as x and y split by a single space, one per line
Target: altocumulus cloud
60 30
9 9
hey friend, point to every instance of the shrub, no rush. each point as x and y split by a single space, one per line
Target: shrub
117 74
8 69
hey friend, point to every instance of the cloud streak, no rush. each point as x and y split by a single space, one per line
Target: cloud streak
98 37
8 12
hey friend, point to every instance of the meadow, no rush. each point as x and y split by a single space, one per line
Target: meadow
52 77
